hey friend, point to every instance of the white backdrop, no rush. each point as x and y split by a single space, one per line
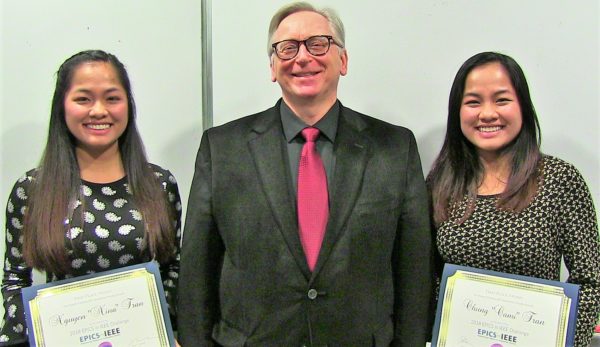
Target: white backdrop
403 56
158 41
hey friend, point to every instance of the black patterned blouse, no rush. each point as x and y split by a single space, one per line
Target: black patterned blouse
559 222
107 235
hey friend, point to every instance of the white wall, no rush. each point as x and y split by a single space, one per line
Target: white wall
403 56
158 41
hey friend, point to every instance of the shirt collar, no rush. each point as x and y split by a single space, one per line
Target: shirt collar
293 125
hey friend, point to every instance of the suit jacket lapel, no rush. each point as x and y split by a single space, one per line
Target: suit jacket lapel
266 146
351 155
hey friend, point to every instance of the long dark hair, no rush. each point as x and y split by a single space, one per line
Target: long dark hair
57 180
457 170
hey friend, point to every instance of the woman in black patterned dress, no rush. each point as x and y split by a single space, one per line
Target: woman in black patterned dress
498 202
94 203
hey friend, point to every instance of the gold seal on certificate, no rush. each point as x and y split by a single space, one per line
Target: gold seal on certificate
123 307
480 308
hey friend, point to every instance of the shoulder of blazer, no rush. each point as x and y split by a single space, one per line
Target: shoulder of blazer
255 123
371 126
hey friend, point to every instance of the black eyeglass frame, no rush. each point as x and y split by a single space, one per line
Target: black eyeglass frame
329 38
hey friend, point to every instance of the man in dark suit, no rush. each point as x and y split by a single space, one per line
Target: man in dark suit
267 261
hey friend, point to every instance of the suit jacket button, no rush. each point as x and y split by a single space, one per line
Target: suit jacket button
312 294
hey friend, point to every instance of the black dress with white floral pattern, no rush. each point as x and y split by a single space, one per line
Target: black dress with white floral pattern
107 234
559 222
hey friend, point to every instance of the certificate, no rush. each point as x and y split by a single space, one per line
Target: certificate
122 307
492 309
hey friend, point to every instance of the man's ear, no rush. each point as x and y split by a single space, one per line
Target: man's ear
271 65
344 67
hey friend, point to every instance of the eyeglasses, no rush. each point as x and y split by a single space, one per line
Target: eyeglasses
315 45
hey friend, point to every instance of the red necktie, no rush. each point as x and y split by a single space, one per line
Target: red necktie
313 200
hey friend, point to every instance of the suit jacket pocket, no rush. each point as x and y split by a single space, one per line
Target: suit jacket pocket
384 335
377 220
367 207
227 336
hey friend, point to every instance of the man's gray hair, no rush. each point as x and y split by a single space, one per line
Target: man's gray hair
337 27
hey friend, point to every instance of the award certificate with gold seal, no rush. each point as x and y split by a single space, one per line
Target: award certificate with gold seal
481 308
122 307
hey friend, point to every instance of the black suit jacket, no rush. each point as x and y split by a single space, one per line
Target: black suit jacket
244 280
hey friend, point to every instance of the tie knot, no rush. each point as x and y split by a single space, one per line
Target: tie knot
310 134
